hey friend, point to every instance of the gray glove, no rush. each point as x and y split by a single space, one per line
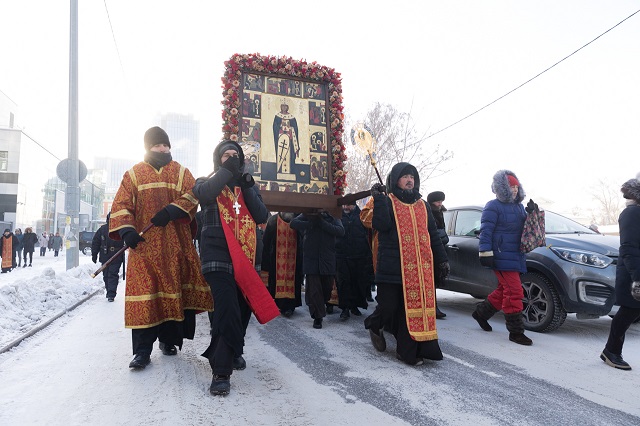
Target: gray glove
444 269
635 290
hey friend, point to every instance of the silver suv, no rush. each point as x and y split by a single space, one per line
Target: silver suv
574 273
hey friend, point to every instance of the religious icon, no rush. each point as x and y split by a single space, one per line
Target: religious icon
285 136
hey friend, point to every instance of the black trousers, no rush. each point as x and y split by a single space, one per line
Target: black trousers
317 293
353 279
390 316
619 326
229 321
30 253
111 277
169 332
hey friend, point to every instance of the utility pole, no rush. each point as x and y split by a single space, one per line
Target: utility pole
72 198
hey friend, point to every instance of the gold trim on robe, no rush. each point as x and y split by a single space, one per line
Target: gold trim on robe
416 259
286 250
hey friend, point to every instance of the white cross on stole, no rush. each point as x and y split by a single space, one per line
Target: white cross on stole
237 206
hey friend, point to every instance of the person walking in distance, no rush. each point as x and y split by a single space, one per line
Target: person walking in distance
104 248
29 243
20 237
501 226
43 240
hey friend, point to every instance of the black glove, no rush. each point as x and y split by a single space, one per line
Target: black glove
635 290
444 269
162 218
94 258
486 260
378 189
233 165
132 239
246 181
531 206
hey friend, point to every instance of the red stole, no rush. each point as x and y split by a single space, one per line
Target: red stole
286 251
416 258
7 252
240 233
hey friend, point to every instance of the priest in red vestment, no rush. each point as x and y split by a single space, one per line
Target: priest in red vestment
405 268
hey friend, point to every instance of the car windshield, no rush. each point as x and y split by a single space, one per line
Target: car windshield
556 224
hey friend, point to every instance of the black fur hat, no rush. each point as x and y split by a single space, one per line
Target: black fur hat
631 189
435 196
155 136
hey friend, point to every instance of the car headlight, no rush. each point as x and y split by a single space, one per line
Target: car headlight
583 257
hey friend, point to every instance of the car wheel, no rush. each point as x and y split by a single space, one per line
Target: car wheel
542 308
86 251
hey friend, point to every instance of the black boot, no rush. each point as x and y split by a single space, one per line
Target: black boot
220 385
484 311
140 361
166 348
344 315
515 325
239 363
614 360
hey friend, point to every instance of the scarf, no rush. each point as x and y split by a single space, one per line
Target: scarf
157 159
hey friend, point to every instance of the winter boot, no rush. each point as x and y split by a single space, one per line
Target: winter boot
515 325
484 311
220 385
239 363
614 360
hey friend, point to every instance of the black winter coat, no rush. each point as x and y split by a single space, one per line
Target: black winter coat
214 252
319 242
388 266
628 268
103 246
29 242
354 244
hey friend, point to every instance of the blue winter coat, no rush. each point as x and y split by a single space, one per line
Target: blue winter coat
501 226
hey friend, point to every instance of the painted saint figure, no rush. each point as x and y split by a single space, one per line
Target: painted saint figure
287 144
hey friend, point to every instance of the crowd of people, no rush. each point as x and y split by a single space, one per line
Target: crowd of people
16 246
249 261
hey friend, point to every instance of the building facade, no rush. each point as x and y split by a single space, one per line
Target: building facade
184 134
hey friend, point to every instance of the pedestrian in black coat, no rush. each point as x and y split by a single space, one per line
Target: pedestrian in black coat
104 248
354 263
28 245
318 259
627 276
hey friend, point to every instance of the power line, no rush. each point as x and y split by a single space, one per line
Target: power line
532 78
40 145
114 41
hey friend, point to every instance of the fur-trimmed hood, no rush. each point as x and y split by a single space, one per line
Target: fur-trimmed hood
396 173
631 189
501 188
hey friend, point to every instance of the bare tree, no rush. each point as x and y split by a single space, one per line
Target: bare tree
398 139
608 203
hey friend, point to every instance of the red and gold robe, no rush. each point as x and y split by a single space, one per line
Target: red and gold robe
416 258
163 272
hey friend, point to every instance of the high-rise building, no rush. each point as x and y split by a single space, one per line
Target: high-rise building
184 134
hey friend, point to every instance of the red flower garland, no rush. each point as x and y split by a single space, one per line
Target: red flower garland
287 66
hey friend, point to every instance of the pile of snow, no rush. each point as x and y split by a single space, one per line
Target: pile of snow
30 297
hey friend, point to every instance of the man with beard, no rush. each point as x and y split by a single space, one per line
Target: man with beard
282 259
165 287
405 268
